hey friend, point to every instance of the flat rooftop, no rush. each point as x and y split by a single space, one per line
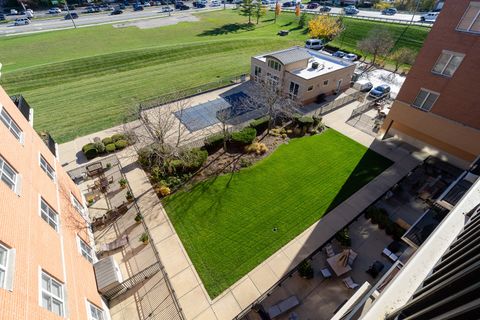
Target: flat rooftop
326 63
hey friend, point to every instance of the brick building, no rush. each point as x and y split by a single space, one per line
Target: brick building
438 107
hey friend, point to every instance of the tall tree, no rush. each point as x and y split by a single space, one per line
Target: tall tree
259 11
297 9
402 56
379 42
278 10
247 9
325 27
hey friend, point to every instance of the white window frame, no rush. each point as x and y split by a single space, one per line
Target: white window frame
86 250
11 125
79 207
4 164
97 309
51 295
48 215
46 167
474 4
4 267
8 267
423 102
452 55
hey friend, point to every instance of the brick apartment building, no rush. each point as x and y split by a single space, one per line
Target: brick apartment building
46 255
438 106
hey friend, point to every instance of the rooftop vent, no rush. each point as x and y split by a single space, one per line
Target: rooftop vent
315 65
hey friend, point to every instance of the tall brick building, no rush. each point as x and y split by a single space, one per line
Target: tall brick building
46 251
438 106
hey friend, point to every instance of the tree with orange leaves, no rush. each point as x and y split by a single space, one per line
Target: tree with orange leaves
325 27
278 9
297 9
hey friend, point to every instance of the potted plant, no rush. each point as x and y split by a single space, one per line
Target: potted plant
144 238
129 196
109 165
305 269
123 183
138 218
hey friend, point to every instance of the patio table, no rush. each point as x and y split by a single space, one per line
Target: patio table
338 266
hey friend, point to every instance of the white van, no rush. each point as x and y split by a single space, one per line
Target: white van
315 44
430 17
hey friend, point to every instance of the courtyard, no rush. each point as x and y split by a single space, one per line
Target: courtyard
232 223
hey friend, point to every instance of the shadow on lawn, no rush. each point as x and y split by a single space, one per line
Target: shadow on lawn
228 28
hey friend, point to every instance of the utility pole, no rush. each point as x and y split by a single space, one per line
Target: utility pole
69 14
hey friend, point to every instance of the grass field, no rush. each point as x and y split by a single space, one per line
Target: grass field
95 74
226 223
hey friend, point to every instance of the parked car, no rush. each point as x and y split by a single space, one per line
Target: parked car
315 44
288 4
13 12
350 57
389 11
147 4
430 17
313 6
167 9
116 11
198 5
182 7
381 91
71 15
28 13
351 10
2 17
22 21
339 54
137 7
363 85
54 10
215 3
325 9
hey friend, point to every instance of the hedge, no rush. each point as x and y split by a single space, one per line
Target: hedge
213 143
194 159
99 146
88 146
244 137
305 121
120 144
260 124
110 147
118 136
90 152
107 140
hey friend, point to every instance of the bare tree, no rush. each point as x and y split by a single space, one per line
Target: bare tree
402 56
379 42
276 104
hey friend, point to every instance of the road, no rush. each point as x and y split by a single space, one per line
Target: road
55 23
46 22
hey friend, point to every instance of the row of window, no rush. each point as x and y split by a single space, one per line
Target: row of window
52 296
470 21
11 125
274 65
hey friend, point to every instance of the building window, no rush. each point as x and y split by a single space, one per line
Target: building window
10 124
274 65
447 63
47 168
78 206
293 91
470 21
85 249
310 88
258 71
52 295
272 80
3 266
94 313
8 175
7 266
48 214
425 99
325 83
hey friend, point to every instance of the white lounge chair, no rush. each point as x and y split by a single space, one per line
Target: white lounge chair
349 283
283 306
329 250
115 244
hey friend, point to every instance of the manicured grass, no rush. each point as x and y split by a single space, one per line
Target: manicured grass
95 74
226 223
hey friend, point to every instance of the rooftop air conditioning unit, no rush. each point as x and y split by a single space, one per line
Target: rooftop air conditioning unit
315 65
107 274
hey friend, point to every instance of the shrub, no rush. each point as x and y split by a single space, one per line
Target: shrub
164 191
343 237
244 163
177 165
120 144
260 124
214 142
107 140
88 146
305 269
110 147
257 148
90 152
305 121
118 136
100 147
194 159
156 174
244 136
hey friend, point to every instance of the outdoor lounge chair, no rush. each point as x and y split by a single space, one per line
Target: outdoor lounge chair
329 250
349 283
392 256
283 306
115 244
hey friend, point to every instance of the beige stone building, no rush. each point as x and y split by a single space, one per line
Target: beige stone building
303 74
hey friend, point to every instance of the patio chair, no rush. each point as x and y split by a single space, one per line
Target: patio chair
115 244
329 250
349 283
283 306
326 273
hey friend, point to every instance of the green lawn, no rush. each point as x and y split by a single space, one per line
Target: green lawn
226 223
95 74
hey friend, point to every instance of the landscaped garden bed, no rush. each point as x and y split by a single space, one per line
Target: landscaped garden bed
230 223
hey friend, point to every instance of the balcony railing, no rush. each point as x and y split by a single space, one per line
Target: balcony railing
22 105
51 144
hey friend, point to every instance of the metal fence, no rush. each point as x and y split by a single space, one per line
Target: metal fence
362 109
131 282
337 103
